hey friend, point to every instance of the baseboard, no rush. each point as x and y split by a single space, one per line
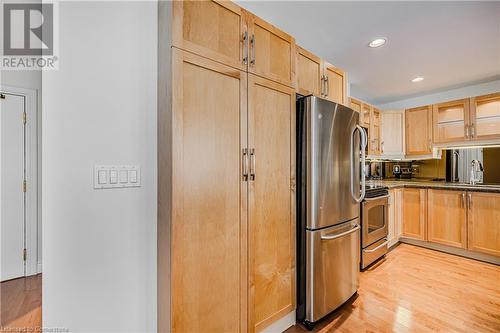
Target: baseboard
39 268
281 325
452 250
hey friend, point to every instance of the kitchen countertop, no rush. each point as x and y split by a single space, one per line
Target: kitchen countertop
440 185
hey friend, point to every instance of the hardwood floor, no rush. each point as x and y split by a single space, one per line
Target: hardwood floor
21 304
420 290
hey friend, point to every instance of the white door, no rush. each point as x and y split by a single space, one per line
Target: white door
12 196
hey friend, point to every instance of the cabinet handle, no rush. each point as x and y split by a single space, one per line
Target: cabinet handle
252 46
327 85
323 85
472 131
467 132
463 200
382 146
252 164
245 164
470 201
245 48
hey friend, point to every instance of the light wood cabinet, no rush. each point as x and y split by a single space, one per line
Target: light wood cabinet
271 52
212 29
447 218
208 223
485 117
355 105
484 223
392 134
451 121
395 214
364 119
374 132
271 202
308 73
334 84
415 213
418 126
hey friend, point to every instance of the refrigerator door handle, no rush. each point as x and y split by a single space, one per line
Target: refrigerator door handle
363 142
356 228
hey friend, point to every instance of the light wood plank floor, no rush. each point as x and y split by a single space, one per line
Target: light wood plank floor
420 290
21 304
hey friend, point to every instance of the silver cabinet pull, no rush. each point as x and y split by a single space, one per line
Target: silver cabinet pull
472 131
245 164
463 200
245 48
252 48
356 228
467 132
327 85
378 247
322 89
252 164
470 200
382 146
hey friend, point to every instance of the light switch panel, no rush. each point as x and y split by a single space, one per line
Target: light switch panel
116 176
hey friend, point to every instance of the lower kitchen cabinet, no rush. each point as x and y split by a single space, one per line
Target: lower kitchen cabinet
414 213
271 202
447 218
484 223
395 214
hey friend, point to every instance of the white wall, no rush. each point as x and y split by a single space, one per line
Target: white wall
100 108
29 80
443 96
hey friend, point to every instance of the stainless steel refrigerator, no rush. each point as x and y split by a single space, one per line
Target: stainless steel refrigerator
330 175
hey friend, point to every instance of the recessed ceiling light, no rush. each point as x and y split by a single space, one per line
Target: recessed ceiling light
417 79
378 42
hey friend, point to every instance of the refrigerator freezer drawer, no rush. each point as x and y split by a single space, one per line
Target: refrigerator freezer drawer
332 272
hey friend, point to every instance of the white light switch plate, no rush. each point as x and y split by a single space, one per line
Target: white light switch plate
116 176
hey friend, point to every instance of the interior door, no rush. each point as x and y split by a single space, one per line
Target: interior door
12 207
271 112
209 231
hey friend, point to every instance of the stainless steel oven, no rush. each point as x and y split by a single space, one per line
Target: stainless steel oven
374 225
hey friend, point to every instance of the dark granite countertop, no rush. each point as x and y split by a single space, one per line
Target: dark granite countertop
441 185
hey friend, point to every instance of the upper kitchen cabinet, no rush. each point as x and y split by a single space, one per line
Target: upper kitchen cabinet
374 132
365 115
418 126
212 29
485 117
355 105
392 134
309 71
271 52
334 82
451 121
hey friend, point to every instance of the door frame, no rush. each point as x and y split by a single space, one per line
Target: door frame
30 96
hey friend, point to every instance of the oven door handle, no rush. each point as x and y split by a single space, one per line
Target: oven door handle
377 198
377 248
356 228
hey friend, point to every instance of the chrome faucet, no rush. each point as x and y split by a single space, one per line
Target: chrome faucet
476 166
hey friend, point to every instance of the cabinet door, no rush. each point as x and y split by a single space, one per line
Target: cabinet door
391 235
374 133
414 213
485 117
447 218
271 202
308 73
212 29
335 83
484 223
451 121
355 105
392 133
365 115
272 52
418 131
209 196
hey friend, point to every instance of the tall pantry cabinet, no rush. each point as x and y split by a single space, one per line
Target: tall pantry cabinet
226 170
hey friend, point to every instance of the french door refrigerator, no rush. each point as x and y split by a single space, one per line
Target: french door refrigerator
330 177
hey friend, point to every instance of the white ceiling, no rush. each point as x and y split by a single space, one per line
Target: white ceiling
451 44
